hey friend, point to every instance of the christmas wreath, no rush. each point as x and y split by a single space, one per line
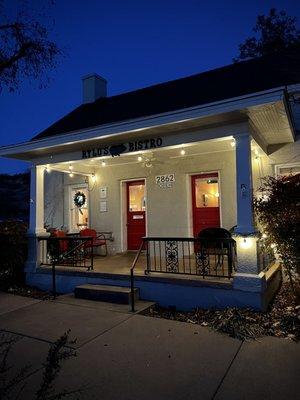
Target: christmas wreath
79 199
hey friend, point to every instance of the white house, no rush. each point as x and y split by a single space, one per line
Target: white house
165 162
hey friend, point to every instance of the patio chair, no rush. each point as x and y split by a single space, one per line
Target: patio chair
98 240
211 239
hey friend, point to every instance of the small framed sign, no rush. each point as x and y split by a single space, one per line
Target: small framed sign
103 192
103 206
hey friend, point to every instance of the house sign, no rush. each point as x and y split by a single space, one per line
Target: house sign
118 149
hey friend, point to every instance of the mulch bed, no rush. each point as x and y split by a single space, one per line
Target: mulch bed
27 291
281 320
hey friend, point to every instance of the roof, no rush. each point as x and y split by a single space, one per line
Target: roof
223 83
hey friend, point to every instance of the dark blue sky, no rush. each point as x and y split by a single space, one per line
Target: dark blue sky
132 44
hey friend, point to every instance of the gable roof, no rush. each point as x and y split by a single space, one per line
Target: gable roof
223 83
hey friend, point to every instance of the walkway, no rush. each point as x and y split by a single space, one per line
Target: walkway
128 356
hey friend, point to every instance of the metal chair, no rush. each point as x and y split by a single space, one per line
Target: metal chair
98 240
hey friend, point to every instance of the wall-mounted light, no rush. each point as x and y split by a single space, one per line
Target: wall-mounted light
246 242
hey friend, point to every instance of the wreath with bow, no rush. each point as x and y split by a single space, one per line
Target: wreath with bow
79 199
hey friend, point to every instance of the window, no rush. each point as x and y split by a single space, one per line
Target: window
79 216
137 197
207 192
287 169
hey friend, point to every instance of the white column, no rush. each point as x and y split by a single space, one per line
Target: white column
246 277
244 184
36 222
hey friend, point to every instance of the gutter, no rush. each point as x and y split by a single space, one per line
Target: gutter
139 124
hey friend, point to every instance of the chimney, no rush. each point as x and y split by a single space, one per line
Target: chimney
93 87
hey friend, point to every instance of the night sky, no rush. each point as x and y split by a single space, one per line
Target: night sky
132 44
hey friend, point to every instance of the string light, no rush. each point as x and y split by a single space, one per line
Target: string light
103 163
140 158
71 175
94 178
70 167
232 143
182 152
47 169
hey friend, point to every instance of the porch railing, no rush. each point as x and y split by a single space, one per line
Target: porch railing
72 251
206 258
265 257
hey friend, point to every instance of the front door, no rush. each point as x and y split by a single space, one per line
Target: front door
205 199
136 214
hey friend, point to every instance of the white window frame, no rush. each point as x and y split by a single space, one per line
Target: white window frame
285 165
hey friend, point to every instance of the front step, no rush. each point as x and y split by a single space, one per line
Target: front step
107 293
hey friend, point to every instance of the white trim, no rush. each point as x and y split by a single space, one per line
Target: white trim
138 124
75 186
285 165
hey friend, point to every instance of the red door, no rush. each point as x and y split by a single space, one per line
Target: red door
136 214
205 199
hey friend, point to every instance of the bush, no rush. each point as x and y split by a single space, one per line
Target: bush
13 250
278 212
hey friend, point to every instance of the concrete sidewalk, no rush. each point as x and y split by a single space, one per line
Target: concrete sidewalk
130 356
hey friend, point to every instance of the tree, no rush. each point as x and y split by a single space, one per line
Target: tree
274 33
25 49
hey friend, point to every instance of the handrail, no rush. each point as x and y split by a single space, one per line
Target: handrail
62 257
132 274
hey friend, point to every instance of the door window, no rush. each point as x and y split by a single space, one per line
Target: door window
79 216
136 197
207 192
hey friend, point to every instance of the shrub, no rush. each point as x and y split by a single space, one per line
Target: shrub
13 250
278 212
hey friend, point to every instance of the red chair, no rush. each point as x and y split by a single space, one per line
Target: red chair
63 244
98 240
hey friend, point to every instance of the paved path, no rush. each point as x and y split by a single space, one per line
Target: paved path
128 356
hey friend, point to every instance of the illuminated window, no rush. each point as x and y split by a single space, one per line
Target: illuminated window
79 216
137 198
292 169
207 192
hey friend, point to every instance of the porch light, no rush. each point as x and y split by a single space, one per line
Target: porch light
232 143
246 243
103 163
182 152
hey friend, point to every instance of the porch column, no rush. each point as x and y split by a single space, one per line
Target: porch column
36 217
247 277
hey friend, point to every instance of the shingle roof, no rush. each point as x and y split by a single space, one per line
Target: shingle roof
219 84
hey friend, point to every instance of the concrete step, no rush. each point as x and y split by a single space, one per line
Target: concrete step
107 293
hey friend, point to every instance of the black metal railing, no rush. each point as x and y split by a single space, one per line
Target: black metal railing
191 256
187 256
71 251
